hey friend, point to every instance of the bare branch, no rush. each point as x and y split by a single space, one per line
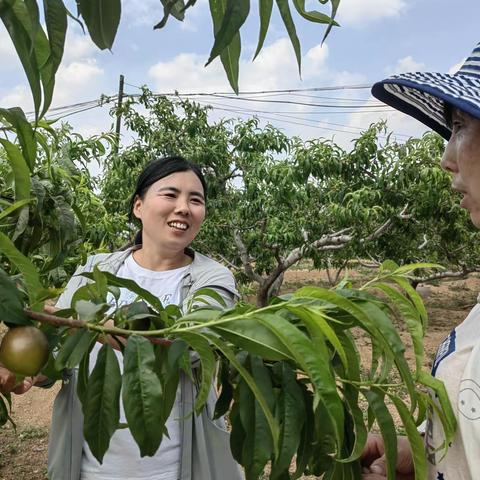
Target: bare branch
446 274
242 249
54 320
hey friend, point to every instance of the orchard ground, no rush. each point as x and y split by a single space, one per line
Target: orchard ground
23 454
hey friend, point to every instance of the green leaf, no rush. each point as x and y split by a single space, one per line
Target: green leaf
203 294
15 206
5 409
445 413
222 346
25 134
234 15
414 297
200 344
20 169
230 55
170 372
265 10
375 322
142 395
406 269
313 363
102 402
83 375
291 30
291 414
414 438
25 50
56 23
254 338
130 285
102 18
11 302
412 320
314 319
89 311
312 15
3 412
30 274
359 431
176 8
237 434
258 445
101 283
74 348
376 401
226 393
335 5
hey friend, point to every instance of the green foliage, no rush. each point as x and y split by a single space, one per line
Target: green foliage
49 210
296 400
379 200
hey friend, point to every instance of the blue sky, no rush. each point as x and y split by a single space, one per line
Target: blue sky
377 38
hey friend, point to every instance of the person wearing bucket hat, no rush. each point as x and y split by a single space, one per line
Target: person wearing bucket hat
450 105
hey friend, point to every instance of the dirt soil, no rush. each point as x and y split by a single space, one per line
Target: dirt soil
23 453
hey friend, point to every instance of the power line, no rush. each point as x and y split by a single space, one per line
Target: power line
288 115
259 92
313 124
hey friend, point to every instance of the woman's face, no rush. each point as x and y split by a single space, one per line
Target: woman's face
172 211
462 160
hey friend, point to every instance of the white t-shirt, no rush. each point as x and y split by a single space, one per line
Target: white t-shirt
122 459
449 366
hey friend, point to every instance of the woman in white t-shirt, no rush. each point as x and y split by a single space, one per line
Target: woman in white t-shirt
169 202
450 105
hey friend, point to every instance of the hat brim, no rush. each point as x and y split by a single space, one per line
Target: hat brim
423 96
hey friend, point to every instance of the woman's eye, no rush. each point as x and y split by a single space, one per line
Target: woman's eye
170 195
457 125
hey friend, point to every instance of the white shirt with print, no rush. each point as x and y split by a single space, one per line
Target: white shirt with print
453 366
122 459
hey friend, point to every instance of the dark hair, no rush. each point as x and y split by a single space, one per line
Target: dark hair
154 171
447 114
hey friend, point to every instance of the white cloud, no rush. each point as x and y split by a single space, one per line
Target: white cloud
406 64
8 56
361 12
78 47
18 96
137 13
77 81
275 69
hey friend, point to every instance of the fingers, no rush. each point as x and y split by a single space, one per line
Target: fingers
25 386
374 448
50 309
379 467
7 380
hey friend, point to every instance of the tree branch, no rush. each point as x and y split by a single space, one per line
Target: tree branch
242 249
447 274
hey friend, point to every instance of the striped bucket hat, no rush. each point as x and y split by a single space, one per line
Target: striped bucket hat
423 95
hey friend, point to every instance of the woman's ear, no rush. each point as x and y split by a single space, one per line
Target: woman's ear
137 207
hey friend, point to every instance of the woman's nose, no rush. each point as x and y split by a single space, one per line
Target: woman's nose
449 159
182 206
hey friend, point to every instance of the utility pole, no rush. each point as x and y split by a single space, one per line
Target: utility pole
119 112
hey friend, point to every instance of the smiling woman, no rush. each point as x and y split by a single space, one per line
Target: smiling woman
169 201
